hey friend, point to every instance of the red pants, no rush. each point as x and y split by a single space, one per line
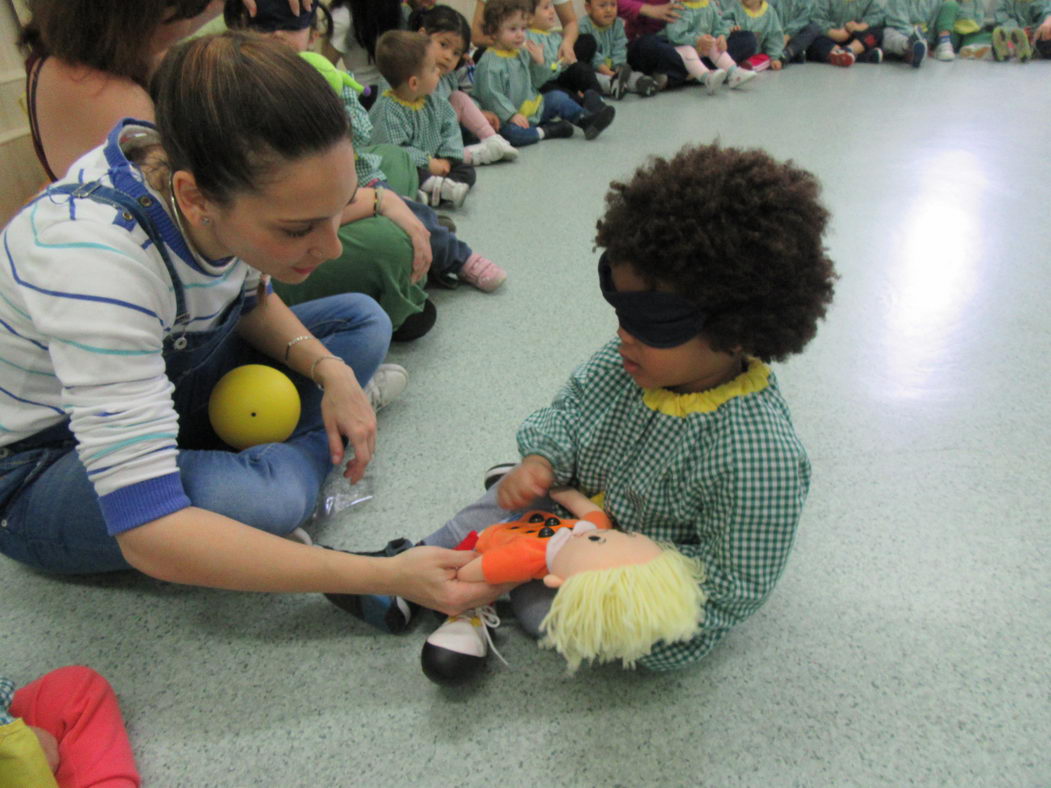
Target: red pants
78 707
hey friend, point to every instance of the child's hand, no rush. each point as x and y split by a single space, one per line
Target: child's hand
704 43
535 52
491 119
567 54
439 166
530 479
735 28
776 65
519 120
720 44
605 70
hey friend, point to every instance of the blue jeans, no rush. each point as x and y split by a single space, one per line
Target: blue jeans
557 104
448 253
53 521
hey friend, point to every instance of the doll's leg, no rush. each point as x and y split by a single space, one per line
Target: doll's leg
530 603
79 708
477 517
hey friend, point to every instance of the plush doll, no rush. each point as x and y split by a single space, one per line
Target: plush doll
619 593
337 78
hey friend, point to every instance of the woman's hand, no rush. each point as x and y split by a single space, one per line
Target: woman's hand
346 413
661 13
395 209
530 479
427 575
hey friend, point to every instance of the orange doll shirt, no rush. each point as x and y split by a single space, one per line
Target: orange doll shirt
516 551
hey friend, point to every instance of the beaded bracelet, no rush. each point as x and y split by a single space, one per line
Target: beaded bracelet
377 205
296 341
313 367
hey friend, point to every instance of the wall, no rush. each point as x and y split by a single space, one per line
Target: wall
20 175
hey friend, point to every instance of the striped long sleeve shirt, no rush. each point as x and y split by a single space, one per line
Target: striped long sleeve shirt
86 303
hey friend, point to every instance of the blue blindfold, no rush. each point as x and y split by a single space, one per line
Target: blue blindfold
654 318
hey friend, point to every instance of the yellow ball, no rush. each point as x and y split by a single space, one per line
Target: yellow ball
253 404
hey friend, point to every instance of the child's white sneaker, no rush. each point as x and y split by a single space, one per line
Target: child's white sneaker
481 153
944 51
501 147
713 79
482 273
386 385
453 191
738 77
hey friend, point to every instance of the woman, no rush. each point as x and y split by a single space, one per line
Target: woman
131 287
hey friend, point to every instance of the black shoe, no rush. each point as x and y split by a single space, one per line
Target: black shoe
646 86
387 613
456 652
592 102
496 473
442 279
557 129
415 326
874 56
594 123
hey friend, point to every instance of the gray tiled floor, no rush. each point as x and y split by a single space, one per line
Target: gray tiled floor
907 642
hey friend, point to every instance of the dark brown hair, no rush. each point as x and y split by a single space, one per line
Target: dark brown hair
400 54
734 231
496 11
109 35
233 107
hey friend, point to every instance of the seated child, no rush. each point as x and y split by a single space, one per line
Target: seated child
610 59
799 31
851 30
699 36
410 115
450 32
761 19
678 422
542 40
1012 17
508 78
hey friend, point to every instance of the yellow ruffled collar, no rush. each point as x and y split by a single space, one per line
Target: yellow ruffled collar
755 378
539 32
696 3
757 12
417 104
503 52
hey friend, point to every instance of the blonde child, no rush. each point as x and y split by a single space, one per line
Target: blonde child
610 58
508 78
761 19
410 115
699 36
450 32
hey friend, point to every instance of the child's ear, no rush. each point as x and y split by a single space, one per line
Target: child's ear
553 581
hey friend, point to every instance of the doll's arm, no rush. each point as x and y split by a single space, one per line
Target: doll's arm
471 572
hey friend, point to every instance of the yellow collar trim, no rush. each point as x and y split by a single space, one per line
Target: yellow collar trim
538 31
696 3
503 52
758 12
417 104
753 379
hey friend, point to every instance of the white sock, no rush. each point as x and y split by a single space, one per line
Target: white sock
540 131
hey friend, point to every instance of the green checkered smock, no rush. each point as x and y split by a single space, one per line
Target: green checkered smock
696 18
507 81
7 695
721 474
549 41
427 128
765 23
366 165
834 14
611 41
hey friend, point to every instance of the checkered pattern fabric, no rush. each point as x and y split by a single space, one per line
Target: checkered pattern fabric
7 695
612 42
366 165
427 131
721 474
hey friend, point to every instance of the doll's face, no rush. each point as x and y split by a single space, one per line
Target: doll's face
602 549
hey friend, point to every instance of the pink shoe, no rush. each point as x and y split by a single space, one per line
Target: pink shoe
482 273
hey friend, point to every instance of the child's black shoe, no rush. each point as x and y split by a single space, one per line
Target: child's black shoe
556 129
594 123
